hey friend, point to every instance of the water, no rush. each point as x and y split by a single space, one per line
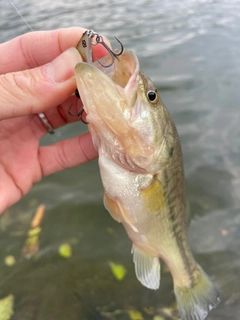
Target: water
191 50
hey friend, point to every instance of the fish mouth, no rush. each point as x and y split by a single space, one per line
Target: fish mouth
110 96
109 93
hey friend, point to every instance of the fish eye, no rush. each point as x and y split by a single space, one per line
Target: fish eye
152 96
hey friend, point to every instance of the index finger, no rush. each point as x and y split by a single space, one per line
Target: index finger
38 48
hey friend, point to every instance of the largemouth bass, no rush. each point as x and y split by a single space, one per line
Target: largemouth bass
141 168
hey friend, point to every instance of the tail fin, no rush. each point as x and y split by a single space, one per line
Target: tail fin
195 302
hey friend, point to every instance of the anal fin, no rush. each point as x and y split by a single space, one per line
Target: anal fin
147 268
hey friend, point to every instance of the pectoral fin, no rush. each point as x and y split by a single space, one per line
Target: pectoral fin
147 268
154 197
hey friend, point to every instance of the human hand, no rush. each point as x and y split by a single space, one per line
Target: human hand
37 75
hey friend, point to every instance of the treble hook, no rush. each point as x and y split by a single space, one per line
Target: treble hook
91 34
99 39
80 112
81 117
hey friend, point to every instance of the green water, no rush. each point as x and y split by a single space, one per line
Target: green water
191 50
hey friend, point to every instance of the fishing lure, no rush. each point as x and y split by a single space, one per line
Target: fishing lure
84 47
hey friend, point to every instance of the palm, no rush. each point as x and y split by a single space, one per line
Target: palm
23 162
19 155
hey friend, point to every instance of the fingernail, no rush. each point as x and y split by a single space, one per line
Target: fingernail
62 67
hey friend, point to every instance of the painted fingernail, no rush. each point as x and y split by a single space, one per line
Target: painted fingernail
62 67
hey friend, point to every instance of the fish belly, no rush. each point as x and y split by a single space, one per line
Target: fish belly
138 202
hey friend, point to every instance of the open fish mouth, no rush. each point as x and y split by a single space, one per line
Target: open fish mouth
109 96
120 79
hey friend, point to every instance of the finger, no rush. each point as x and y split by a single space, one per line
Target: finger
38 89
38 48
65 113
66 154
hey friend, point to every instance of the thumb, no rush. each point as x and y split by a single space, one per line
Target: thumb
36 90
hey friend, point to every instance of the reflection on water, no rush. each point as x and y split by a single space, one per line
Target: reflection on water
191 51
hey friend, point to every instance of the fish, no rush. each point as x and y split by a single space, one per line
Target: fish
141 169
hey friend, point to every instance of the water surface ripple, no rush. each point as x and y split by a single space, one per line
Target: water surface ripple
191 50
